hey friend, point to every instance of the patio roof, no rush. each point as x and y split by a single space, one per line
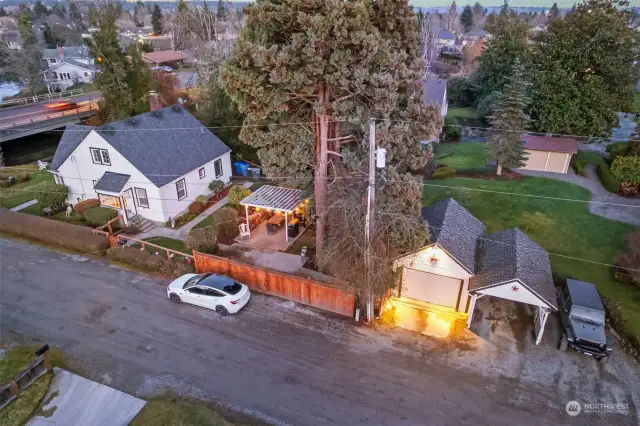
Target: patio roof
111 182
274 197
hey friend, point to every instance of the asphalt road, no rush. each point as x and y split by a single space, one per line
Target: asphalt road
10 115
275 360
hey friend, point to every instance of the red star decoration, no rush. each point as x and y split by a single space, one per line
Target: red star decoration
515 288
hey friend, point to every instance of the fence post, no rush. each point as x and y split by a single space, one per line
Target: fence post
168 254
228 267
15 389
110 229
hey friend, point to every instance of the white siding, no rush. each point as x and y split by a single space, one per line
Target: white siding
445 266
514 290
79 172
76 75
195 186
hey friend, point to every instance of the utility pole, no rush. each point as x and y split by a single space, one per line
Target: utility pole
368 222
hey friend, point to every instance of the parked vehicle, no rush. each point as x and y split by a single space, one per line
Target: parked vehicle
583 320
61 105
162 68
218 292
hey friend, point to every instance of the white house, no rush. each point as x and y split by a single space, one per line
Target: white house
68 66
446 38
463 264
153 165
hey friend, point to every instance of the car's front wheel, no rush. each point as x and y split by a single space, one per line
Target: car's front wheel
222 311
564 343
175 298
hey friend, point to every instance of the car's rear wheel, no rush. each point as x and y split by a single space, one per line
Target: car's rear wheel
222 311
175 298
564 343
603 359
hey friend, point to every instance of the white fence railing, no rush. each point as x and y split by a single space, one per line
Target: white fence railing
39 98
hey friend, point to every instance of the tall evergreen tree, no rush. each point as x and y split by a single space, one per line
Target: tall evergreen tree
466 18
583 69
554 12
508 121
220 12
3 12
181 7
40 11
451 15
75 15
205 6
156 19
51 40
509 43
478 10
25 25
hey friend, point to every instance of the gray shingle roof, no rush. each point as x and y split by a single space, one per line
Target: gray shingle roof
477 33
584 294
511 255
91 67
446 35
274 197
455 230
67 52
433 91
71 138
111 182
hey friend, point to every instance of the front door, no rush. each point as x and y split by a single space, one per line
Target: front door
129 204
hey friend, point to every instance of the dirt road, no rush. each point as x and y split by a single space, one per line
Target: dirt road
275 360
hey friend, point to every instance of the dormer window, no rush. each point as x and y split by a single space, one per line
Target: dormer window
100 156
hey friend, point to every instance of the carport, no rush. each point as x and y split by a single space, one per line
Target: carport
513 267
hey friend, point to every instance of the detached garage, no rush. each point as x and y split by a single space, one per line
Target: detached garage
547 154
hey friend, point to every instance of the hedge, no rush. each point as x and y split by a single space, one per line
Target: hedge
444 173
143 259
608 180
85 205
52 195
74 237
626 169
578 166
98 216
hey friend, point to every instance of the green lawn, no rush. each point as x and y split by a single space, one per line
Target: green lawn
17 358
24 191
467 112
561 227
460 155
171 411
170 243
636 101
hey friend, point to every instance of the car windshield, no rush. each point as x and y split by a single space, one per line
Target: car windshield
220 282
194 280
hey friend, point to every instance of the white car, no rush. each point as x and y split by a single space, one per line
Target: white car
213 291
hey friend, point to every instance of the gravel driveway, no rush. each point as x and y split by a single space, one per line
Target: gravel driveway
600 195
288 364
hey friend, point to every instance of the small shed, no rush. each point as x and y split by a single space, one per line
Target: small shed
547 154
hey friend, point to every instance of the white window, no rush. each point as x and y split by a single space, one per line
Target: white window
109 201
86 74
141 194
100 156
53 61
94 183
217 165
181 189
201 172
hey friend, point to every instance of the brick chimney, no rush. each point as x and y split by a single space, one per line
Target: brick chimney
154 101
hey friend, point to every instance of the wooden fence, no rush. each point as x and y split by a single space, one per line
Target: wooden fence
291 287
40 366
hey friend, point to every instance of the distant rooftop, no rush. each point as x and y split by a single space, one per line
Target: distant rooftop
434 91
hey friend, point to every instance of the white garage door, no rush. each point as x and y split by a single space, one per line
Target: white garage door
431 288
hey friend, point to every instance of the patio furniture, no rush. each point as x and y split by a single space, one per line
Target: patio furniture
274 223
42 165
293 228
244 231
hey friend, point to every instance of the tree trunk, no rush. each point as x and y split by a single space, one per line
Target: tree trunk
499 169
320 177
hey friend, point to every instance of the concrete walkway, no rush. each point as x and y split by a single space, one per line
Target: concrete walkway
183 232
74 400
24 205
600 195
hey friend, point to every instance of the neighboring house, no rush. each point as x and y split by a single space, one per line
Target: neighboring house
472 37
170 58
446 38
12 38
68 66
160 42
462 264
548 154
435 94
154 173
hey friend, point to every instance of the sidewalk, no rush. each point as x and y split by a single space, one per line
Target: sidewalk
24 205
183 232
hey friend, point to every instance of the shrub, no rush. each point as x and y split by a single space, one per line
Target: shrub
608 180
196 207
237 193
626 169
151 262
225 221
451 130
444 173
74 237
85 205
203 199
52 195
631 258
460 92
181 220
589 157
98 216
216 186
578 166
203 240
485 105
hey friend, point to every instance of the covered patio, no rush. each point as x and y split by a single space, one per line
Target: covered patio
274 217
109 191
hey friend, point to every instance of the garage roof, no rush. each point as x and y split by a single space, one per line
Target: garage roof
511 255
454 229
543 143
